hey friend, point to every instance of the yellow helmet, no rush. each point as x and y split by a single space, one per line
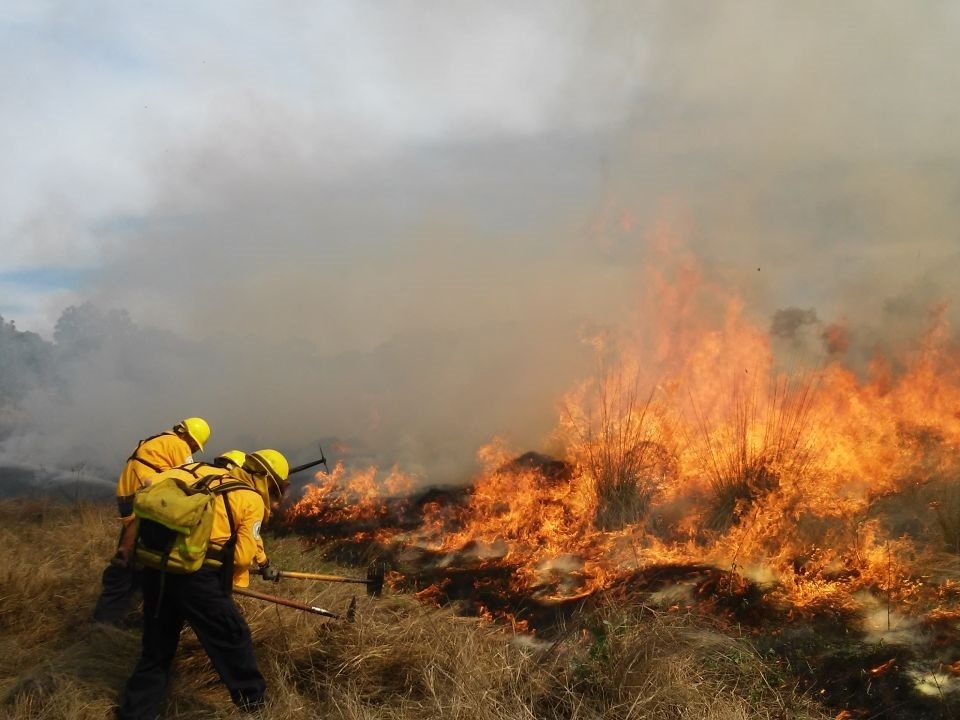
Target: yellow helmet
197 429
271 463
230 458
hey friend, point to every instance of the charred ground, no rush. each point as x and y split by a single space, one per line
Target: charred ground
814 626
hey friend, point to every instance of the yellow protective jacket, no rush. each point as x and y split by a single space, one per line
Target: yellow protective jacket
153 455
248 513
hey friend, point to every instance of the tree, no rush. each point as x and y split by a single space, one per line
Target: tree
26 361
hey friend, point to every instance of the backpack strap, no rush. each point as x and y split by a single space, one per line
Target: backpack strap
194 469
224 488
226 565
226 485
136 457
163 573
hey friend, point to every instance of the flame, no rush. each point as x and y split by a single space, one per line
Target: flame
341 498
690 442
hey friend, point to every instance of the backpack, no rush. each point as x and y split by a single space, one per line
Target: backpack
174 520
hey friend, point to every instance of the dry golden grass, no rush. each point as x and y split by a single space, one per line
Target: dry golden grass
397 660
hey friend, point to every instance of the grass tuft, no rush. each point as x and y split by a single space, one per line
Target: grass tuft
613 437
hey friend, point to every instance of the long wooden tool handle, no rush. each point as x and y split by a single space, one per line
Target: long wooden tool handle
284 601
297 575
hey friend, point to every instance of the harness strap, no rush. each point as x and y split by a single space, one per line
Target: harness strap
194 469
136 457
226 566
223 554
163 573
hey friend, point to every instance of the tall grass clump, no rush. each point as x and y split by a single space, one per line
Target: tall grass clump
613 436
745 454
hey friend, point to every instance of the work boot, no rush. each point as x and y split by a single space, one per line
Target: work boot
250 707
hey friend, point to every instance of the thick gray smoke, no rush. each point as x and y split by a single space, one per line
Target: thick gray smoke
393 224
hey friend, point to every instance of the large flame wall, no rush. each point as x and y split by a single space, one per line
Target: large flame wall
692 441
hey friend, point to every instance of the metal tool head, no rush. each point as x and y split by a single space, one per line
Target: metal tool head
323 459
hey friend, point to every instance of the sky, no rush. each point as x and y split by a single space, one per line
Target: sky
396 223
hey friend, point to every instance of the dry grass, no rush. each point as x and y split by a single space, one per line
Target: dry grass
397 660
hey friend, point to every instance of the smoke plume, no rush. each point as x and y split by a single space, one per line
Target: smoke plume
389 229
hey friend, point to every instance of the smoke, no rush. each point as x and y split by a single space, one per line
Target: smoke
391 227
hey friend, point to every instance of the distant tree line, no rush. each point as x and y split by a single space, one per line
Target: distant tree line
29 362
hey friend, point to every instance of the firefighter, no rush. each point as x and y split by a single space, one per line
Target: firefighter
224 464
203 598
152 455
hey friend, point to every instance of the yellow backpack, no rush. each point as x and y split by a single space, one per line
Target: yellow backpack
174 520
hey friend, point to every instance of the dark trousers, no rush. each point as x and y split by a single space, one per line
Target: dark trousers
201 600
120 586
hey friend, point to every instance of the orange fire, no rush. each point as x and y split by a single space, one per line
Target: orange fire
340 498
692 442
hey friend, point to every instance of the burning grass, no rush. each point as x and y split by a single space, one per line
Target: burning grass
710 496
845 588
611 432
399 658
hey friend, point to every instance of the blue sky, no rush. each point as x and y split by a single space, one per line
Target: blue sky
32 284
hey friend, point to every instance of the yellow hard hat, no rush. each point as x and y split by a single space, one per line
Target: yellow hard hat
197 429
274 465
270 471
271 462
230 457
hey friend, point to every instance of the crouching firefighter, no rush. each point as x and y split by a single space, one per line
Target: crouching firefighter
232 460
190 564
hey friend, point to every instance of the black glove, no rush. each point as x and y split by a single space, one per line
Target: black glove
269 572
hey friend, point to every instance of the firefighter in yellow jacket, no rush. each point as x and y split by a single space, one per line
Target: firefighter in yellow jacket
203 598
226 463
152 455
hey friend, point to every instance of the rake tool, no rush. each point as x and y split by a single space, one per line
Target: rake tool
299 606
373 581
